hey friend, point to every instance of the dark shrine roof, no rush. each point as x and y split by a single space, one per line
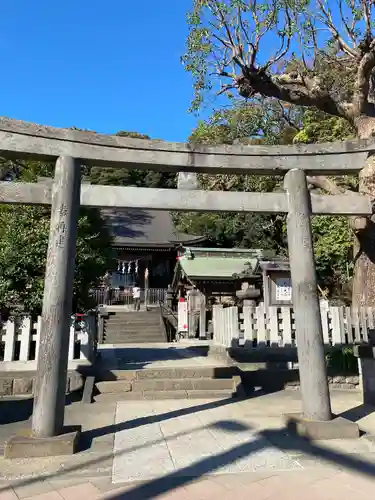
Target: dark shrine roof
148 228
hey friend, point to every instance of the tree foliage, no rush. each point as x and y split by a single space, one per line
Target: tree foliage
276 49
243 124
24 234
333 240
126 177
311 54
267 123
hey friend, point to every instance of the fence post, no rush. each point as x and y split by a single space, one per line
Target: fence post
312 365
286 326
72 338
85 337
273 326
25 338
202 318
49 402
9 339
217 324
248 338
234 336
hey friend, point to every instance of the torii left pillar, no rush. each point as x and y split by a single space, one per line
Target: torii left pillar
50 390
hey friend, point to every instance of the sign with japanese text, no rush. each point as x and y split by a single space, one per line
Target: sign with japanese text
182 316
283 290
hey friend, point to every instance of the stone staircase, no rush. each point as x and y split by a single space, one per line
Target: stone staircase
169 383
134 327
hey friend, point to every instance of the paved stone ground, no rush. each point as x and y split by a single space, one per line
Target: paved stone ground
200 450
196 449
199 438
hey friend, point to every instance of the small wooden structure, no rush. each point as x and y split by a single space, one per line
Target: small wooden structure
216 272
221 273
231 275
277 283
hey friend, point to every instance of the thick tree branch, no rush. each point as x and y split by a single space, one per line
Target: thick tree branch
357 224
291 88
327 185
362 86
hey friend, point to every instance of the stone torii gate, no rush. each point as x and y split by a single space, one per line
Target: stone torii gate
71 148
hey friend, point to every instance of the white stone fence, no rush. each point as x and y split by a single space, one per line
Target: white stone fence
255 327
19 339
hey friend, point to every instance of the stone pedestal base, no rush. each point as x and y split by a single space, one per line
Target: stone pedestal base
366 368
28 446
337 428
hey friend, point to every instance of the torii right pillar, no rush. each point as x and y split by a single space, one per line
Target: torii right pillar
317 421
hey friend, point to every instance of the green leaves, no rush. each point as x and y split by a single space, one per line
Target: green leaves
125 177
24 232
333 246
249 47
319 127
266 122
243 124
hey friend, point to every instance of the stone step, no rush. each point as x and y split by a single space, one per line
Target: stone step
132 329
134 336
136 316
183 384
126 312
204 384
114 386
151 321
123 324
131 324
151 395
134 341
208 372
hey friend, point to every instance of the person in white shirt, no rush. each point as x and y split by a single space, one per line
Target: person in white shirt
136 297
107 288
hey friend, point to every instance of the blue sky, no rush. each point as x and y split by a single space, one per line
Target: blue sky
103 65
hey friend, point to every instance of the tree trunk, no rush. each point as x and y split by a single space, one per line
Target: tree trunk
363 293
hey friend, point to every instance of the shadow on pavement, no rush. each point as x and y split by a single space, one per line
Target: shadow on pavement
277 438
15 410
88 436
137 357
358 412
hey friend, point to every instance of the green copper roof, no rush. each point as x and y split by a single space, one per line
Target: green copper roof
215 267
210 263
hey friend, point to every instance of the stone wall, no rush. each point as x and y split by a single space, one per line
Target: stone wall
271 369
344 382
22 383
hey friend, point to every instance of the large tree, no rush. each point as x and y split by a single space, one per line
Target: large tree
279 50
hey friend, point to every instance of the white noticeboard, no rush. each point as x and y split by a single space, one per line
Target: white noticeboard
182 316
283 290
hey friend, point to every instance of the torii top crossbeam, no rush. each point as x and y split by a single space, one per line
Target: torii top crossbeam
21 139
